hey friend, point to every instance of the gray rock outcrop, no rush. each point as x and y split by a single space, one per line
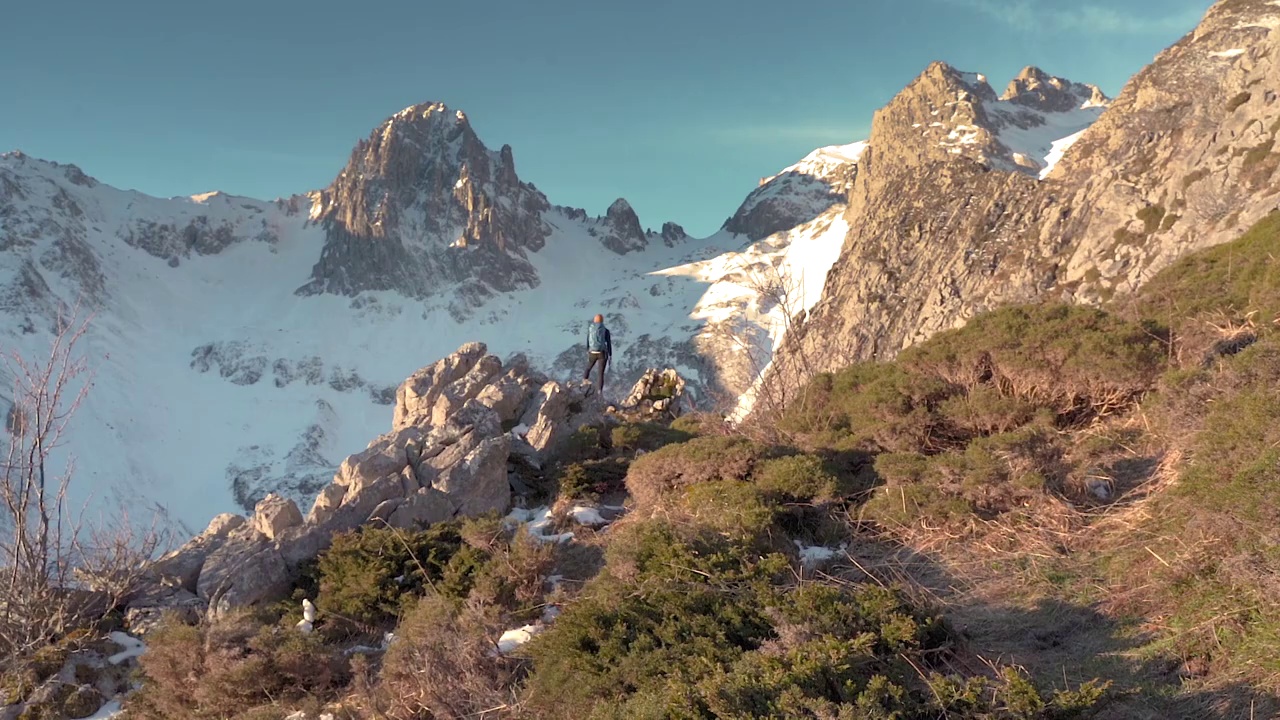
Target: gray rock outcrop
454 429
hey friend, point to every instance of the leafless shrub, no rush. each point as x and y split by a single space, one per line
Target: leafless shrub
444 664
55 574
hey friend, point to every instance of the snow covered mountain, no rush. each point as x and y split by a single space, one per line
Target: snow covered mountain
242 347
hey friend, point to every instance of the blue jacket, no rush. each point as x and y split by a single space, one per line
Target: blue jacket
606 340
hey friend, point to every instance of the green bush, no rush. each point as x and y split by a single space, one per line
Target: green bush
695 423
646 436
589 479
733 507
1077 361
1229 280
681 625
989 477
870 405
656 475
798 478
370 575
232 668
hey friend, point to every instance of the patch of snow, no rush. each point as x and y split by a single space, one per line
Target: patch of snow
1234 52
513 640
1057 152
812 556
520 430
536 521
133 647
551 613
587 516
1038 142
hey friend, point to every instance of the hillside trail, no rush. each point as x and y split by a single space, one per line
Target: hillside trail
1042 606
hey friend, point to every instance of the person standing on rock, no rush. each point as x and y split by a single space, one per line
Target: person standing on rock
599 349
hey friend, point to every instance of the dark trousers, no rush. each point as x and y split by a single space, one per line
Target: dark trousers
603 360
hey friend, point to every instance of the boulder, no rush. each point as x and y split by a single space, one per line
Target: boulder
416 398
425 507
386 455
147 610
326 504
657 387
275 514
472 417
547 416
223 524
452 398
507 396
361 500
181 568
242 574
479 483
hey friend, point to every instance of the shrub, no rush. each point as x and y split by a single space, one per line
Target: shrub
588 442
989 477
1256 155
592 478
732 507
646 436
1194 177
442 663
697 628
798 478
870 405
370 574
514 576
231 668
675 467
1078 361
695 423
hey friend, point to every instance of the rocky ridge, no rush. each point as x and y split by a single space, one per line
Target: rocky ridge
1181 160
463 428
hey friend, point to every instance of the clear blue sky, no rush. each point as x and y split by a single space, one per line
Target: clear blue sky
678 105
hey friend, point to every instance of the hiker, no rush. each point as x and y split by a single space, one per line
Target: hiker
599 348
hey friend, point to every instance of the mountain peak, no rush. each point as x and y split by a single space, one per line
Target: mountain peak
429 110
623 232
1038 89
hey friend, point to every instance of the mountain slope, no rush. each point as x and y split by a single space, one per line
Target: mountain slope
1179 161
242 347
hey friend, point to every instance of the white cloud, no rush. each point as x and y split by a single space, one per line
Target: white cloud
1092 18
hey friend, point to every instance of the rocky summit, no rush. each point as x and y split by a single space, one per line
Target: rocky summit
949 218
422 206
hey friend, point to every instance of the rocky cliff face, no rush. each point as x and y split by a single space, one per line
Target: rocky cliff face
948 220
424 206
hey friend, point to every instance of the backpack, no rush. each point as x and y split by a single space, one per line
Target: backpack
595 338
